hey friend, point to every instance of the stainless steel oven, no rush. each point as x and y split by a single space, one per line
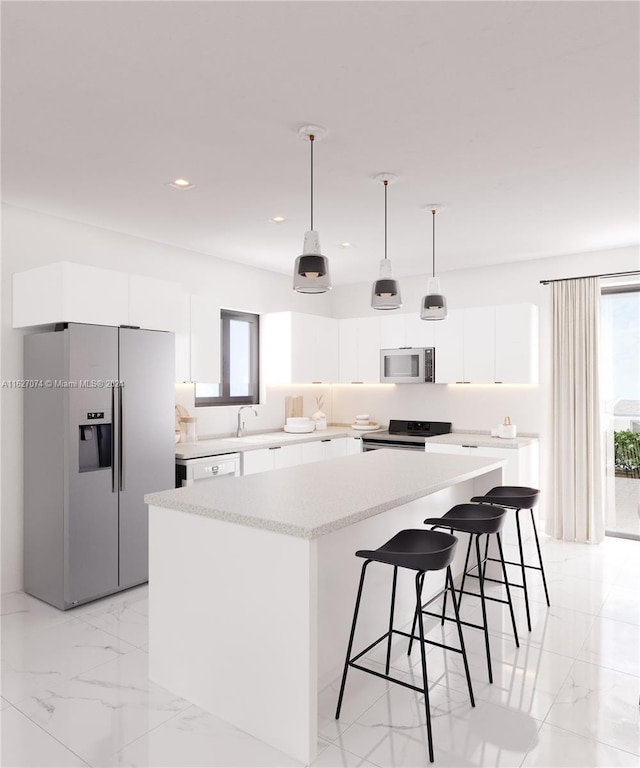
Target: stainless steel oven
404 435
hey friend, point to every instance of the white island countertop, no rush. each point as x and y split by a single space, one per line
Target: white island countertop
312 500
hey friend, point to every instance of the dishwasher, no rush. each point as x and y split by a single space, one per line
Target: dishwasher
190 472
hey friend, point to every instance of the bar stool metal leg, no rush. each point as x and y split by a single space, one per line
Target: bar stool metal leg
506 584
544 579
351 636
423 658
484 608
523 568
393 603
460 637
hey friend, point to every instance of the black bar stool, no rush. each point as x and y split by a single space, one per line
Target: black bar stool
519 497
419 551
477 520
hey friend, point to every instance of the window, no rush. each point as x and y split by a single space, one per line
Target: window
239 340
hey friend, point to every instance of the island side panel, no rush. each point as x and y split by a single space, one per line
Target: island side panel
233 625
339 574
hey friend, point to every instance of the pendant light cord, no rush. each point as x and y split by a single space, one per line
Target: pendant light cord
385 217
311 138
434 242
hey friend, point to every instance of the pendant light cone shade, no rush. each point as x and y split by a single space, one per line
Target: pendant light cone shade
385 292
311 274
434 304
311 271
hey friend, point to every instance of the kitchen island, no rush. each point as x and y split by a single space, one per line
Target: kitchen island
252 579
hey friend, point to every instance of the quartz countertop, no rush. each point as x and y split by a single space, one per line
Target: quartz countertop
312 500
255 440
481 439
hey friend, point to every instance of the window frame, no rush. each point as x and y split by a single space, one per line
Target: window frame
225 398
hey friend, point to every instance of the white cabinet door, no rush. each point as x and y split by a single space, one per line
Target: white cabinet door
66 292
298 348
449 363
349 350
354 445
517 344
369 350
419 333
393 331
334 447
155 304
285 456
257 461
205 339
479 345
311 451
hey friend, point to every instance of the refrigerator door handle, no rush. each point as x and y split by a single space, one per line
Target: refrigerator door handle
114 485
120 437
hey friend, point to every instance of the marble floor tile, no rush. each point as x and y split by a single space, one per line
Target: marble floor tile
560 749
573 592
122 621
622 603
25 745
393 731
135 598
613 644
600 704
197 739
334 757
100 711
3 703
46 658
22 614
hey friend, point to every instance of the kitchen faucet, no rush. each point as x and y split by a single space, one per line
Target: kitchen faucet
240 431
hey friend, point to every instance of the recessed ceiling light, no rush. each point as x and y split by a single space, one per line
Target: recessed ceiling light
345 245
277 219
182 184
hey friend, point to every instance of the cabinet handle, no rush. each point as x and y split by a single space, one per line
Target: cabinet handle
357 382
326 440
460 382
275 448
316 382
469 446
498 382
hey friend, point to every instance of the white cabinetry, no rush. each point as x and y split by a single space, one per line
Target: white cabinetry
354 445
199 345
517 344
522 463
360 350
406 330
299 348
66 292
265 459
486 345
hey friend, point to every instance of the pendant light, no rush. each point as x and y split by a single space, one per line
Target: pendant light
385 292
434 304
311 273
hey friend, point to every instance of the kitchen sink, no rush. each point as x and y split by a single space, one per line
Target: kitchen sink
272 437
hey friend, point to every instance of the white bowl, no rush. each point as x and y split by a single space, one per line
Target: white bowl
300 428
298 420
363 417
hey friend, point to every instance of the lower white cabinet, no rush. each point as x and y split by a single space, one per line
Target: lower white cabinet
265 459
522 463
354 445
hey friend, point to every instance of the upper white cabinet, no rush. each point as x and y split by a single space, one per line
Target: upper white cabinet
299 348
405 330
360 344
198 347
486 345
66 292
517 344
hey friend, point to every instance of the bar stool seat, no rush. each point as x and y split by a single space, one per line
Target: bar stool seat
519 497
420 551
477 520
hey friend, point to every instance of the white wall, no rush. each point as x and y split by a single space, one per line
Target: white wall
30 240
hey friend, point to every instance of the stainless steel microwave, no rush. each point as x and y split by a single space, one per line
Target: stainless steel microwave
407 365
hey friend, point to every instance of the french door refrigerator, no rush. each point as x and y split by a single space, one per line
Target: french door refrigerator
98 435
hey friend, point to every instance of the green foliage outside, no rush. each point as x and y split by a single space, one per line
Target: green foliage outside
627 452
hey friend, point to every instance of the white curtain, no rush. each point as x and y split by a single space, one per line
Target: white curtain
577 499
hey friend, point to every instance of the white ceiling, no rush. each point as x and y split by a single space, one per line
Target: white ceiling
522 117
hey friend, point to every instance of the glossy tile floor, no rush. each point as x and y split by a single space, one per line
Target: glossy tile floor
75 688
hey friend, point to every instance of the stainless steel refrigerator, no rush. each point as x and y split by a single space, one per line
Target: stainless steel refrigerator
98 435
